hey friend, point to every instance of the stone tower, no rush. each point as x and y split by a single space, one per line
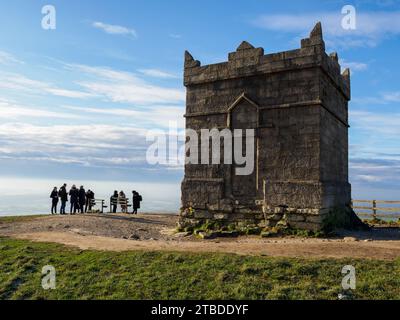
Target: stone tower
297 102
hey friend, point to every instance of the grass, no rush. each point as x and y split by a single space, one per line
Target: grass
156 275
10 219
383 222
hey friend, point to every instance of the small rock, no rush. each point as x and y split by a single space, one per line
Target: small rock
124 237
205 235
202 234
349 239
345 296
66 226
265 234
142 229
181 234
367 240
342 296
134 237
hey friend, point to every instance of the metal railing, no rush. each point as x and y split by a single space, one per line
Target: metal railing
376 209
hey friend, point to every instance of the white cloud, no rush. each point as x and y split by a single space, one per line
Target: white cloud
22 83
7 58
154 116
382 98
368 24
91 145
353 65
83 144
106 135
157 73
369 178
69 93
114 29
371 26
125 87
386 124
373 171
175 35
12 111
392 96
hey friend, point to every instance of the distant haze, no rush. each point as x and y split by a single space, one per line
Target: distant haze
32 196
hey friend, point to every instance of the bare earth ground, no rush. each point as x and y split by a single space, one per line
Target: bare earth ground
116 232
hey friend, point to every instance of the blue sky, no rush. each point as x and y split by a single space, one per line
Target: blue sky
76 102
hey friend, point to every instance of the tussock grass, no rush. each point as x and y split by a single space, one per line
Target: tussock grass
10 219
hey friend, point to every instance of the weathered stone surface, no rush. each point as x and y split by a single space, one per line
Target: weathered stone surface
297 102
306 226
295 218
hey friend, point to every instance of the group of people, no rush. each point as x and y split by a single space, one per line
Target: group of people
82 201
121 199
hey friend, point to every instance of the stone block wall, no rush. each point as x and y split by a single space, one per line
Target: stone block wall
297 102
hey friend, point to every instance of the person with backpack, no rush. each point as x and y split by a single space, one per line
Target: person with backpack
136 199
89 200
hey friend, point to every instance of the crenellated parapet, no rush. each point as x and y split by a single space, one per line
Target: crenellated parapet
248 60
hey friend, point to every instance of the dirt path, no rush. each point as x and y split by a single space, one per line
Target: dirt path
154 232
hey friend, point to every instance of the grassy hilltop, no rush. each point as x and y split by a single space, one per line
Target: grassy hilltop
156 275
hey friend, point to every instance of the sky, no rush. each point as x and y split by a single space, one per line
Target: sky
76 102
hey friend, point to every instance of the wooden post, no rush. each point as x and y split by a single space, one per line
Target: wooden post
264 207
102 206
374 209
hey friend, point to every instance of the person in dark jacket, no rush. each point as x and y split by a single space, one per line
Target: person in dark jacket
114 201
74 199
82 199
63 195
54 200
89 200
136 199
